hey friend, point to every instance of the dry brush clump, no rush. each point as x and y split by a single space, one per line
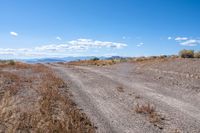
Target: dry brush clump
13 64
197 54
9 87
38 105
92 62
150 111
186 53
189 54
150 58
58 110
120 89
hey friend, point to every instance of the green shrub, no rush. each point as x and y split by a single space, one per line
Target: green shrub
11 62
95 59
197 54
163 56
186 53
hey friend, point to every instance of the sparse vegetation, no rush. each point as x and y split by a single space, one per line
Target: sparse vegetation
163 56
176 131
120 89
151 113
11 62
95 59
144 109
137 97
197 54
110 61
92 62
34 103
186 53
189 54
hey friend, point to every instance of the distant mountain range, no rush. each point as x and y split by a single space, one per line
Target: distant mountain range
65 59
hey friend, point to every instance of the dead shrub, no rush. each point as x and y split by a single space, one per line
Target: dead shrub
186 53
21 65
95 59
151 113
197 54
120 89
144 109
11 62
137 97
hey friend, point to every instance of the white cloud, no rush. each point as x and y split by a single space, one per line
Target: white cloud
169 38
185 41
60 48
73 47
13 34
80 44
58 38
181 38
6 53
139 45
89 43
191 42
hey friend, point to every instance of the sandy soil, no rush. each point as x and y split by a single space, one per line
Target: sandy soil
109 95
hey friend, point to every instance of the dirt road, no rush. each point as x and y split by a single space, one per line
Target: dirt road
109 95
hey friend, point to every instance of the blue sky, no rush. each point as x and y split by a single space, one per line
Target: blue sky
49 28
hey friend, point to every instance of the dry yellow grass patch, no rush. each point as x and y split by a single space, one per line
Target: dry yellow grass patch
92 62
35 103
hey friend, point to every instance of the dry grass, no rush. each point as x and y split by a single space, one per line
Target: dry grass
144 109
176 131
120 89
38 104
150 111
151 58
92 62
137 97
186 53
142 59
13 64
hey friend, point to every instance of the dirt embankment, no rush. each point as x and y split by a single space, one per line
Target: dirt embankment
33 99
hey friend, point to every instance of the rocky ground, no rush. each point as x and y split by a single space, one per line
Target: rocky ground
146 96
160 95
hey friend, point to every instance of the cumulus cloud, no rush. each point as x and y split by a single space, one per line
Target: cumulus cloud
58 38
12 33
190 42
181 38
71 47
6 53
54 48
185 41
140 44
89 43
80 44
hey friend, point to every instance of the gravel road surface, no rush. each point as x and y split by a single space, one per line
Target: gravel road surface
109 95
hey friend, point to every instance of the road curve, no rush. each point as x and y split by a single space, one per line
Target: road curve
95 91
